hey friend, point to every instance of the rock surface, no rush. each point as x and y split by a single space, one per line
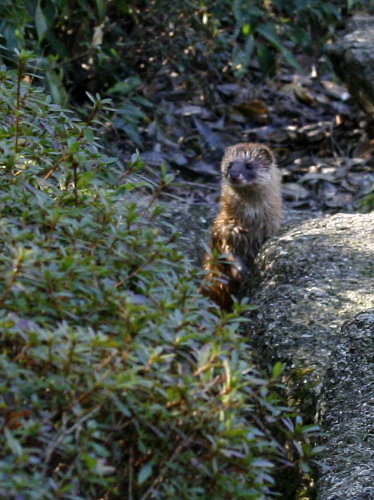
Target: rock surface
353 60
347 414
312 278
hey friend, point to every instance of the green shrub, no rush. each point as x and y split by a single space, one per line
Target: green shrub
131 39
131 50
118 380
367 202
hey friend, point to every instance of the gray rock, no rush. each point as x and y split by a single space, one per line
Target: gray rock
346 409
313 277
360 21
353 60
310 280
193 222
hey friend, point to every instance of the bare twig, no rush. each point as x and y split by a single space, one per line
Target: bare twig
158 478
52 446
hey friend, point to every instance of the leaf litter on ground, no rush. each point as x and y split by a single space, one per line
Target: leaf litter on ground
323 142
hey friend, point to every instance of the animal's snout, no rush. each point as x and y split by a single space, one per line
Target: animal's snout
235 174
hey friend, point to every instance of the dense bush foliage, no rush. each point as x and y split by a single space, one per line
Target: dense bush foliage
118 380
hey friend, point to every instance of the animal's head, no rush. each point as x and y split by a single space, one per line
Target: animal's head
247 165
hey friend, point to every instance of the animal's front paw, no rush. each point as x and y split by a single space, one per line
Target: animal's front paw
238 270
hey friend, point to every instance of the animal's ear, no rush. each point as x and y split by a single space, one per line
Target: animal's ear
227 157
266 155
229 151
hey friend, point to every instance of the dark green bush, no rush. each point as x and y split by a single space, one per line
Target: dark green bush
132 50
118 380
367 202
126 38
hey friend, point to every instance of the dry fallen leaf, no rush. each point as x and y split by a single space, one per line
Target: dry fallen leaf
335 91
254 109
304 95
192 110
364 149
293 191
341 200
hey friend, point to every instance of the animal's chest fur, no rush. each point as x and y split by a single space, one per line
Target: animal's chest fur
243 235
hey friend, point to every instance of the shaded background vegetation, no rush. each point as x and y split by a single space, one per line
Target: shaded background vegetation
187 78
118 379
122 39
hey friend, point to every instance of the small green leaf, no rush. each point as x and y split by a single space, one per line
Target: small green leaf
267 30
277 369
246 29
144 473
13 444
126 86
40 22
266 59
73 146
56 86
89 135
261 462
86 179
101 7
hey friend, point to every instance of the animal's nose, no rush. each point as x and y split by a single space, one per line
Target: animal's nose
235 174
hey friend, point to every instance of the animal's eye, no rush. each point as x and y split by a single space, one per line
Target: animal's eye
248 166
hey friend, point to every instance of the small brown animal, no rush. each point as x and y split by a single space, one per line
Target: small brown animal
250 211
